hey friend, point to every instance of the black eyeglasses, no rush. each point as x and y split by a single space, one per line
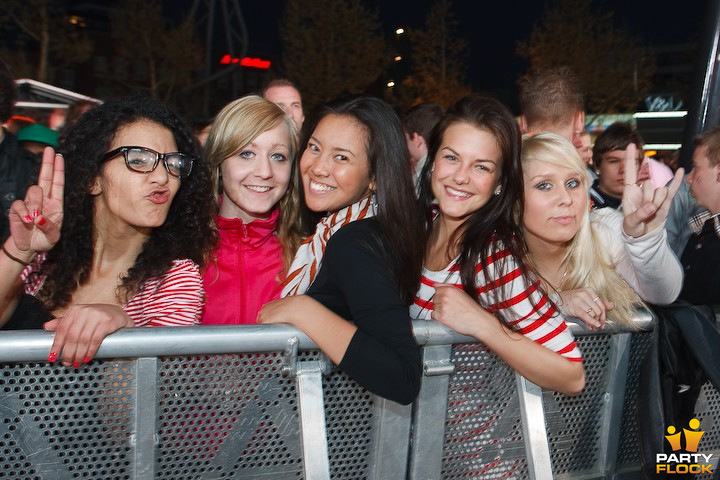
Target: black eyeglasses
145 160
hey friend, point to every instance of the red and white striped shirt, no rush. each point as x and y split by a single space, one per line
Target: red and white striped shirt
174 299
525 308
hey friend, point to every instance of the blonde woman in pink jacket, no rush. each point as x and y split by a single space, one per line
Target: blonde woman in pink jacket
251 148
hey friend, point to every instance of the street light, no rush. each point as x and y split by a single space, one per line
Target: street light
398 58
391 84
399 31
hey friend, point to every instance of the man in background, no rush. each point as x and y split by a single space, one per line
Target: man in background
284 94
609 160
418 122
552 100
36 137
586 154
701 256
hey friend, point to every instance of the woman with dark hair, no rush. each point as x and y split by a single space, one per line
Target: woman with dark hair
474 278
123 247
353 278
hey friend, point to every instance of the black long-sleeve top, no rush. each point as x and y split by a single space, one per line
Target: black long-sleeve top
356 284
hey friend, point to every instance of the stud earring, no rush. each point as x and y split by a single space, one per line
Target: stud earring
497 191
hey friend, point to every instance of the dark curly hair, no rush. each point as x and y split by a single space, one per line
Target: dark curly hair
188 231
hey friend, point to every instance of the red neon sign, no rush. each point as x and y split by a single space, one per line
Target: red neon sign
246 62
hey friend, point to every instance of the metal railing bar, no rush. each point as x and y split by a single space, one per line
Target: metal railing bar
34 345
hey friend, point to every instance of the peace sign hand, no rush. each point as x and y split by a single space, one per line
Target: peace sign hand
644 206
35 222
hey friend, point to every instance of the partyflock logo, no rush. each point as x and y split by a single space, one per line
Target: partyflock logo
689 462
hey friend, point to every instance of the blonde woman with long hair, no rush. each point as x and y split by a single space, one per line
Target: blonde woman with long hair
250 148
600 264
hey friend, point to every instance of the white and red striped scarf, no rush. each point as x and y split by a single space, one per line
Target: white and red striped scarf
309 256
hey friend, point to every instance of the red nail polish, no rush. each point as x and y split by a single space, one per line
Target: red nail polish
41 222
27 218
52 357
35 213
76 364
87 359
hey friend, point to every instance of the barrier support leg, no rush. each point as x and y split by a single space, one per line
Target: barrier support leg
311 405
429 415
614 399
389 454
144 437
537 447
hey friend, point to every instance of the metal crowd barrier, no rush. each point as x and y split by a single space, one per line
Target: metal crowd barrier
260 402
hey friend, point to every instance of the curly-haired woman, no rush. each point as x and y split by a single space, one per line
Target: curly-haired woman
123 247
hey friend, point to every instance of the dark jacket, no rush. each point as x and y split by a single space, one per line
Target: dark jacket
684 354
18 170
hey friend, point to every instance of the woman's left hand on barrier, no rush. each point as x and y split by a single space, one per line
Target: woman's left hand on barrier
282 310
585 304
645 207
455 309
79 333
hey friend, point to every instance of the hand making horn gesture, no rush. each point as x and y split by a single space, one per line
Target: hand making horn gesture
644 206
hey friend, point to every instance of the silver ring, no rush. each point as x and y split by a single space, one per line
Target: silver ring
596 298
589 311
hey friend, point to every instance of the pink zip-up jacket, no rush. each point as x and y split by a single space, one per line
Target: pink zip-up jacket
244 273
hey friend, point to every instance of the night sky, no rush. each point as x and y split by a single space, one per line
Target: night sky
493 28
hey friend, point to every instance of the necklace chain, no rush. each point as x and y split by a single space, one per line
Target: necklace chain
562 280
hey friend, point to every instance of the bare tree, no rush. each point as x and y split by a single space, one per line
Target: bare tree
155 57
437 56
615 68
331 47
45 37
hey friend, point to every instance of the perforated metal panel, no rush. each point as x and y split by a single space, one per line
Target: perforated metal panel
227 416
483 432
348 419
573 423
236 416
628 449
60 423
707 410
